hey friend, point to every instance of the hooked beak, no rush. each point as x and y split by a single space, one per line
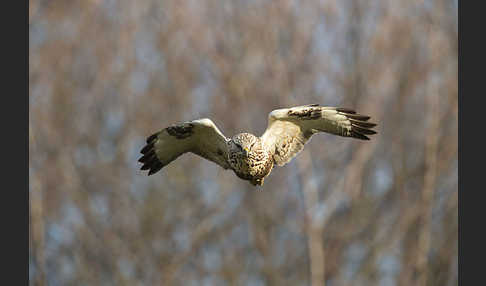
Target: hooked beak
246 151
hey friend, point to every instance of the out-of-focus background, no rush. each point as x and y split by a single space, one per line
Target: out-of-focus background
103 75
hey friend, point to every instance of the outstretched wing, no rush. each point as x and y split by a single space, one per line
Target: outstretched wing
290 128
201 137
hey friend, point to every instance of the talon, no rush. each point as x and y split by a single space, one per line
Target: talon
257 182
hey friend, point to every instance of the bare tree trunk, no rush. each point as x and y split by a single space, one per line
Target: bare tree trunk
314 228
429 186
36 229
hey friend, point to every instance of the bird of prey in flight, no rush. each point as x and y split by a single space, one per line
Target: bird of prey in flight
250 157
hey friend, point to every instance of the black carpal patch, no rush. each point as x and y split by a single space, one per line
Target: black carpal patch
180 131
306 114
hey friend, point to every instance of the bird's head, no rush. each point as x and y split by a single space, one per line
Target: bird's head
242 143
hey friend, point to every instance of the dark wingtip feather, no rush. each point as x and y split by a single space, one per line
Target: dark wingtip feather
345 110
351 114
149 159
360 123
145 167
363 130
359 135
152 137
358 117
147 148
155 168
145 158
